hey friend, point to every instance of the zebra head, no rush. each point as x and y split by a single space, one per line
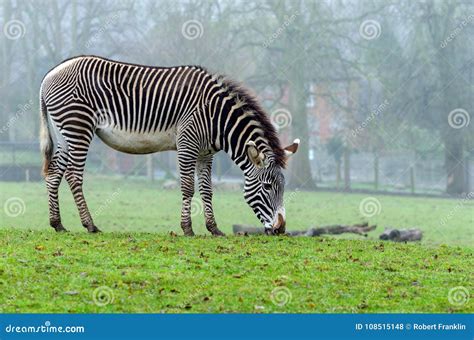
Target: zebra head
264 188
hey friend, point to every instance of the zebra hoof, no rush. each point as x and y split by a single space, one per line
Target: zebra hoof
93 229
58 227
217 233
211 226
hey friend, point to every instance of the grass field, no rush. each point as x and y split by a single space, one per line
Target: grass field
136 266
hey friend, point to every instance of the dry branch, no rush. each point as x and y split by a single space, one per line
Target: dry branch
401 235
360 229
390 234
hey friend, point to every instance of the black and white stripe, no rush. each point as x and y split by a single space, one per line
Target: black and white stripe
141 109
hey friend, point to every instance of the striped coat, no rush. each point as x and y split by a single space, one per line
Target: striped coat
142 109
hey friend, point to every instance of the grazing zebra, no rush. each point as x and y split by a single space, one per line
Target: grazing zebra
142 109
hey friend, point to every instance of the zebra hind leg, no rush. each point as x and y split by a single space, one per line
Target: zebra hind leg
187 189
53 179
74 177
187 165
204 171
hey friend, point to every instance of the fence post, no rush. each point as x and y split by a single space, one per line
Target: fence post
13 153
347 169
467 174
150 167
376 171
412 179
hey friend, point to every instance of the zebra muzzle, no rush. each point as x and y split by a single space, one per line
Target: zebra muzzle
279 227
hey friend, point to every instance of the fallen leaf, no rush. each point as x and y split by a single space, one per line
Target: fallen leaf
58 253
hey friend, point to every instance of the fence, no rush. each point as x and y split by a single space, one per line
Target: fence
403 172
392 171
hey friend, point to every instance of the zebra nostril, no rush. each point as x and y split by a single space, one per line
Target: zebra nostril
269 231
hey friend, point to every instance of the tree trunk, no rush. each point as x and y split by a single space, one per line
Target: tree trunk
347 169
454 163
150 167
300 168
338 173
412 180
5 79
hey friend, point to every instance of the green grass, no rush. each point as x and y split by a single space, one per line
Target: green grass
46 272
133 205
147 270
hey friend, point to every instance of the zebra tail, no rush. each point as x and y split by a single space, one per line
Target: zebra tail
46 142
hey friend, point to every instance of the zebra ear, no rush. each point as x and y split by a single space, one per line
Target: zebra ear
291 149
255 156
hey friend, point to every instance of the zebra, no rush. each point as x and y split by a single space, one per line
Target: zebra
142 109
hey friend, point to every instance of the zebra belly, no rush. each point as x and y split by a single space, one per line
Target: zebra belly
137 143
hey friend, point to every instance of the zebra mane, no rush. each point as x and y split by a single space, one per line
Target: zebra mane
248 102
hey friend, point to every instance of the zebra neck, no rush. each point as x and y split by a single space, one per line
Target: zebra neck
237 118
242 160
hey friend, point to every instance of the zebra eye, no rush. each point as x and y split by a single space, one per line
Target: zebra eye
267 186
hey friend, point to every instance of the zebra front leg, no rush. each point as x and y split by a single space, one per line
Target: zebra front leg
53 179
204 172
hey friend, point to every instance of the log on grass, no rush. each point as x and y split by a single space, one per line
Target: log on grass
401 235
359 229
